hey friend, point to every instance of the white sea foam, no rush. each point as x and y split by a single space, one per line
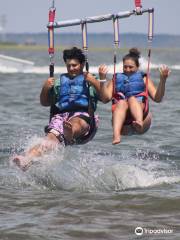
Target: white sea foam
73 169
13 65
29 68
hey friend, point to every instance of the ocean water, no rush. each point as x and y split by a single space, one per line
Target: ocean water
93 191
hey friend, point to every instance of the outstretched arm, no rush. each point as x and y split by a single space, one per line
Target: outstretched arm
93 81
106 88
44 95
157 94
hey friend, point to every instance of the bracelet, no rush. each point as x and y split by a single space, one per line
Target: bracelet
102 80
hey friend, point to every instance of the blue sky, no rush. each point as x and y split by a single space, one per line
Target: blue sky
32 15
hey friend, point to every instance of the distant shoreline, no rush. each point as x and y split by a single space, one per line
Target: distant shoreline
102 41
42 47
91 33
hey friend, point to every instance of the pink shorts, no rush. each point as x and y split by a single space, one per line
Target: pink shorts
56 124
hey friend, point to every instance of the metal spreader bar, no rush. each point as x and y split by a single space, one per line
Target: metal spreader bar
94 19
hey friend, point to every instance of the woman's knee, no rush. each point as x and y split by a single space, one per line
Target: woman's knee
122 105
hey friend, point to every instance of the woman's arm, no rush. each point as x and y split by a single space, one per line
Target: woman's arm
157 94
106 88
97 84
44 95
93 81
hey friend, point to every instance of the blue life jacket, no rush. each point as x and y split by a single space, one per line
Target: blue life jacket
130 85
73 93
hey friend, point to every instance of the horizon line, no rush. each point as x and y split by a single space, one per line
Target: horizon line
90 33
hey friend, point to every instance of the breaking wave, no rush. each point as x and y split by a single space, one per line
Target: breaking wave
30 68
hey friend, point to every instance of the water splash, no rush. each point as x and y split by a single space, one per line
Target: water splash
74 169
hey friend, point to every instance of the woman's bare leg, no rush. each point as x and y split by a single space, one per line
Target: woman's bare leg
136 109
146 125
118 118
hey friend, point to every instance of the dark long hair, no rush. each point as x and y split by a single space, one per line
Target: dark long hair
134 54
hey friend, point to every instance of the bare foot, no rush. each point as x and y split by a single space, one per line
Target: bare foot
138 126
68 133
116 140
22 162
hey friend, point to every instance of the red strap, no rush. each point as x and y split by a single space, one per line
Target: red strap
52 12
114 80
51 50
146 107
51 15
148 70
138 3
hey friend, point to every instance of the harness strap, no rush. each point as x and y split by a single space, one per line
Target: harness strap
85 49
51 30
146 108
90 108
52 12
85 43
138 5
150 38
150 25
116 46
